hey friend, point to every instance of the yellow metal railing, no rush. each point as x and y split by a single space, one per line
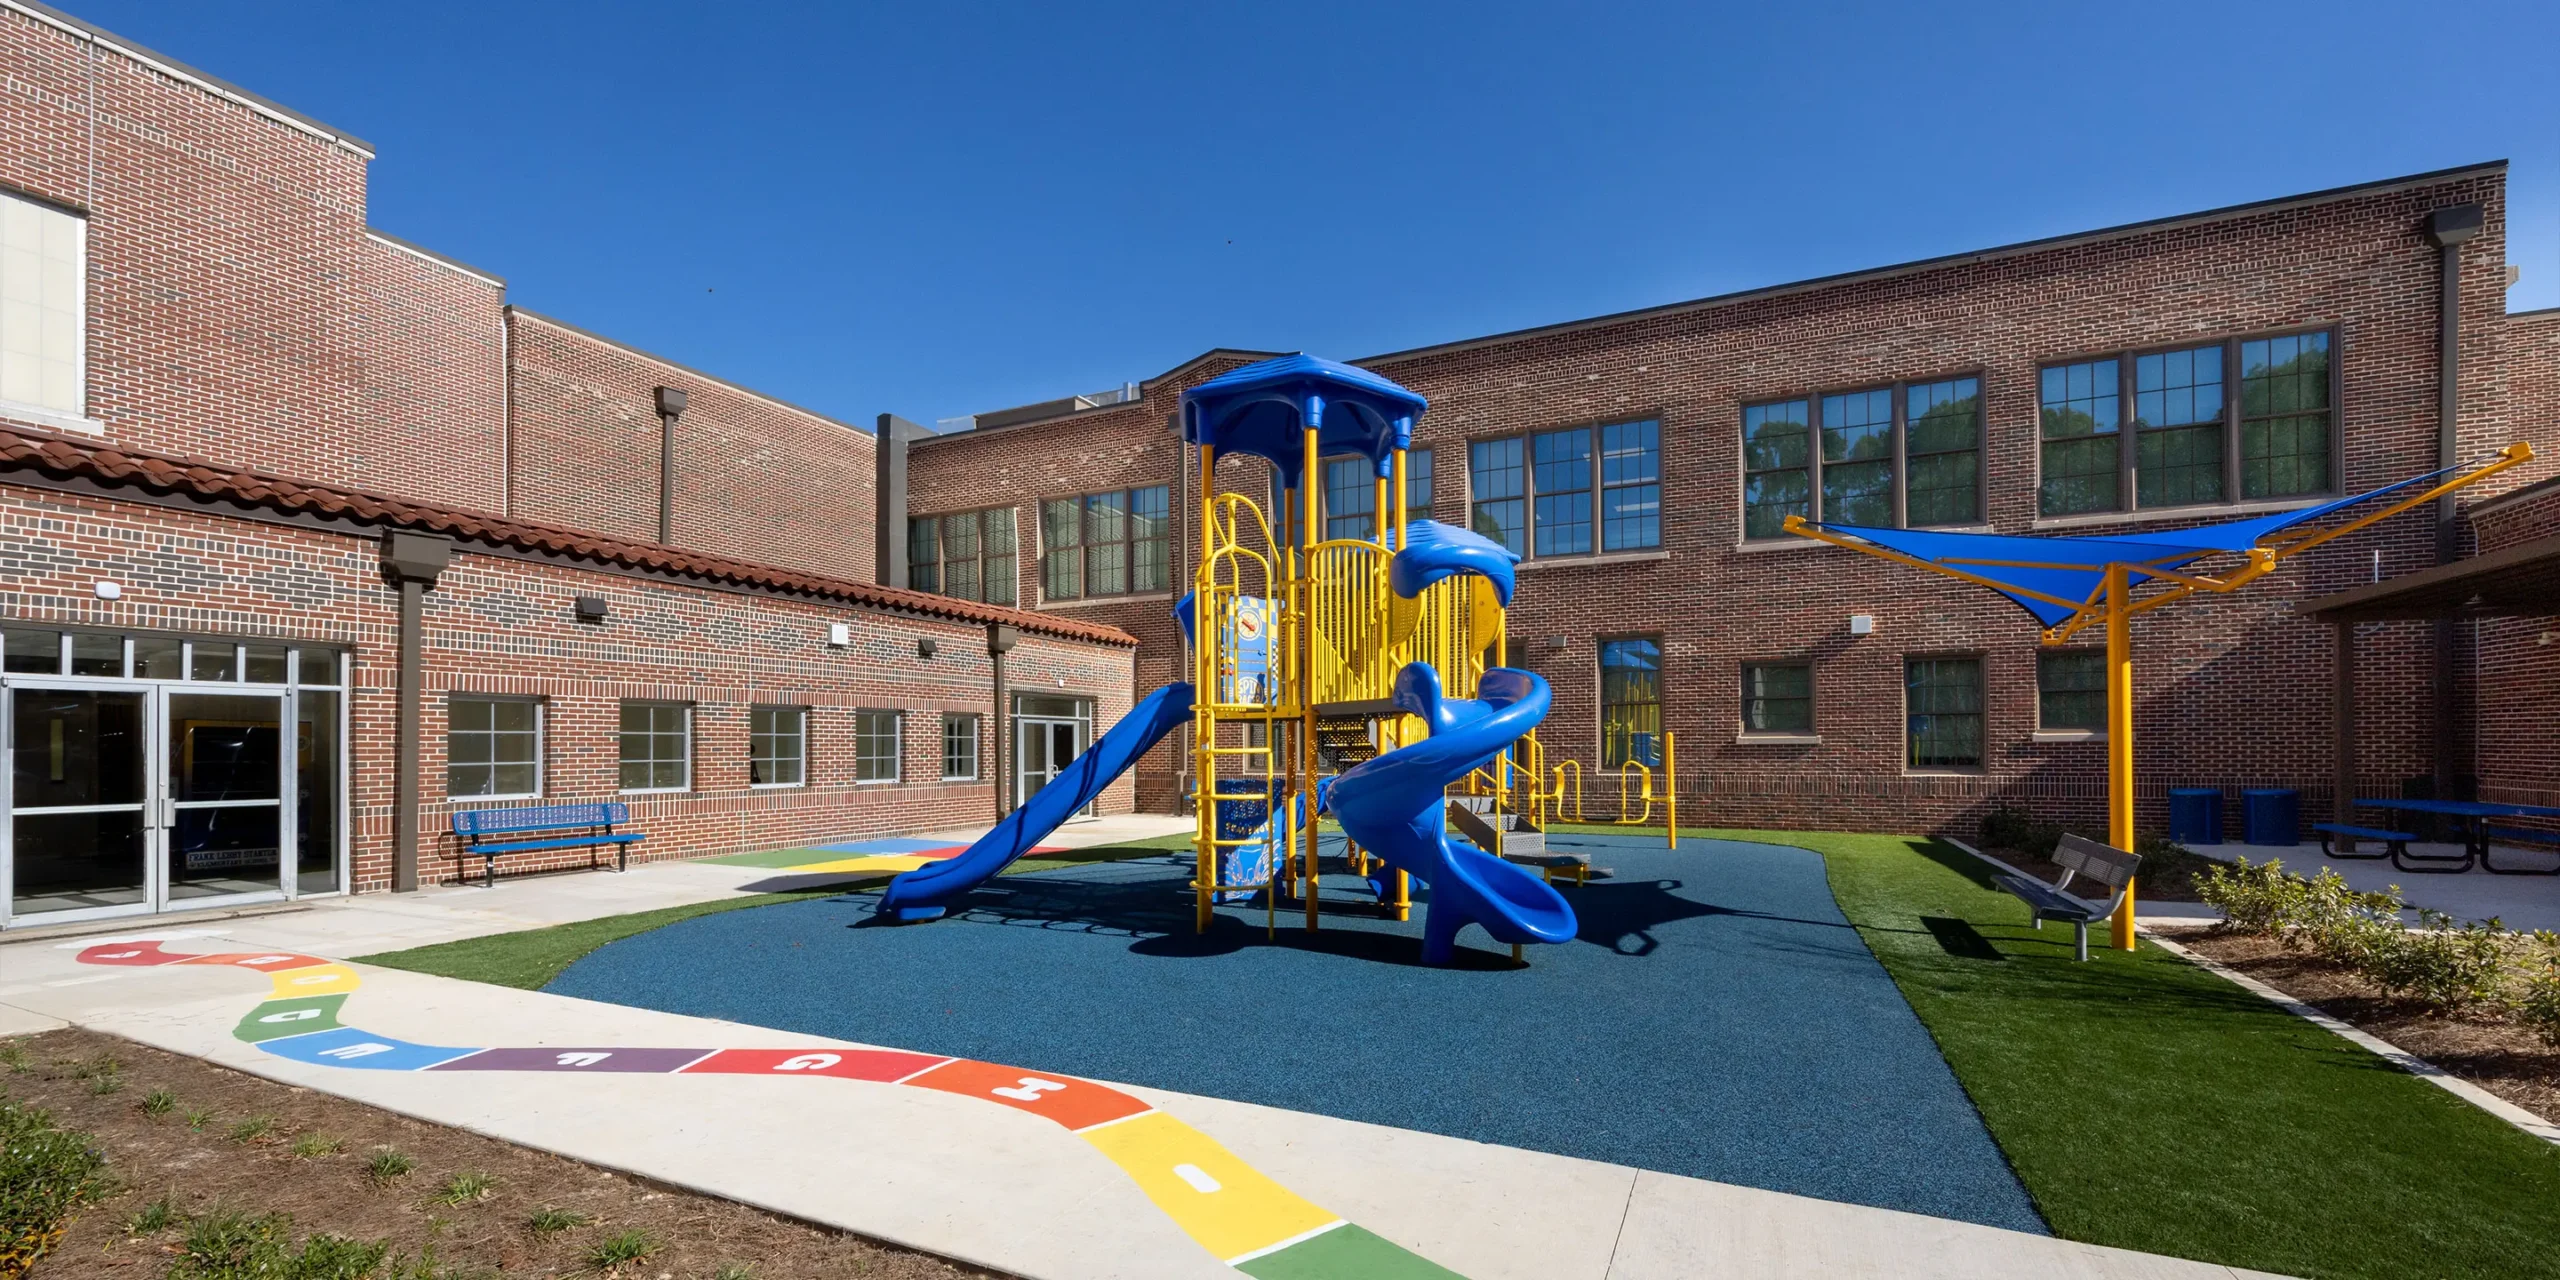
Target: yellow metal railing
1348 611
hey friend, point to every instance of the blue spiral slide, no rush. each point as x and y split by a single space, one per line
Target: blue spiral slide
1392 806
926 892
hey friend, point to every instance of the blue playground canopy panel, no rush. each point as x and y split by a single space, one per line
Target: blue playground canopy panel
1264 408
2076 568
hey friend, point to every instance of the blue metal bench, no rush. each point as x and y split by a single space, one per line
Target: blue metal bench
2517 835
482 832
2394 842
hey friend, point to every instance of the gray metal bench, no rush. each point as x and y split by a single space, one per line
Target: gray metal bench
594 824
2080 859
2395 843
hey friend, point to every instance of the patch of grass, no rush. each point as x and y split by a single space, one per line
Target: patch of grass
13 1057
236 1246
621 1249
465 1188
734 1272
2148 1104
155 1217
545 1221
46 1175
199 1117
252 1129
312 1146
104 1085
158 1102
387 1165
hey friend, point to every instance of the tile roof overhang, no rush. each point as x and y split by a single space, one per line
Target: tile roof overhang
83 464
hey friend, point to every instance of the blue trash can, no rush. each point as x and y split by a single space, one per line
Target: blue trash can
2271 816
2195 815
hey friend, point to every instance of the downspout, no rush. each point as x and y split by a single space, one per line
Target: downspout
2448 229
670 408
411 561
1000 638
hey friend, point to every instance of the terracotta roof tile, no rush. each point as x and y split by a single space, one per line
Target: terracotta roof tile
23 448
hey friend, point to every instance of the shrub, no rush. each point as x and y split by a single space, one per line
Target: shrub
46 1175
2537 995
2256 898
2449 968
2009 827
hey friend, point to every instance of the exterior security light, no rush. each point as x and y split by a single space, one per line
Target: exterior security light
925 647
109 590
1862 624
591 609
839 634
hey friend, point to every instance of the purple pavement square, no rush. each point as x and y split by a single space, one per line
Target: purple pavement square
570 1059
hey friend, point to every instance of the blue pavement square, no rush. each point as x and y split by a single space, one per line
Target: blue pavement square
348 1047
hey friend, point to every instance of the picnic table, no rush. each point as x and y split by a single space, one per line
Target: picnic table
2474 815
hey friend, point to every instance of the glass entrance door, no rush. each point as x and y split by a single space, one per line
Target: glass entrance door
80 830
225 769
1043 748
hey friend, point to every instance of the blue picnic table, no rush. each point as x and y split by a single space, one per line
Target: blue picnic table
2475 816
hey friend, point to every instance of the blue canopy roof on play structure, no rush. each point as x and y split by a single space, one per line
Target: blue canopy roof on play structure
2076 568
1264 408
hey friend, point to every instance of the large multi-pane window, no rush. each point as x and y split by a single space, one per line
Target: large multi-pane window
968 554
2168 419
875 746
492 747
657 746
1570 492
959 747
44 282
1106 544
1351 494
1942 700
2071 689
1630 702
777 746
1777 697
1904 455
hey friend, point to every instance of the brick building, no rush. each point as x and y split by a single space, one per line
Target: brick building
2188 369
221 393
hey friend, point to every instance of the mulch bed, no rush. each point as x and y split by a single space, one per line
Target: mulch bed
191 1155
2504 1059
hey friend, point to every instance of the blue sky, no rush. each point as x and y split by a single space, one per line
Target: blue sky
940 208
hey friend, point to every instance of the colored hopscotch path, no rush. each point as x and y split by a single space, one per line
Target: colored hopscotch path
1242 1217
886 856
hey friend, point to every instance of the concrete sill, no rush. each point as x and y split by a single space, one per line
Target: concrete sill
2070 735
1777 739
2199 510
1095 602
52 419
1585 562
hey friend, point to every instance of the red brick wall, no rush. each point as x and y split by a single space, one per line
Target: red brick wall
756 479
225 253
2234 689
433 408
500 624
2519 658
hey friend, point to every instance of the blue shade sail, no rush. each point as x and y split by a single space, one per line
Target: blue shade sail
1264 409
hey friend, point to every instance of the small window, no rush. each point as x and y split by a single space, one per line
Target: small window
1106 544
959 748
1417 484
213 660
96 655
1563 477
1350 498
777 746
2083 461
2071 689
1776 467
1498 490
1942 698
875 746
2285 425
319 667
1777 697
1942 443
492 748
2177 427
44 290
657 746
968 554
1631 486
31 652
1630 703
1857 458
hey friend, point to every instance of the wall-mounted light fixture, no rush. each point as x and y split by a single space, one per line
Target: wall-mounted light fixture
591 609
108 590
924 647
1862 624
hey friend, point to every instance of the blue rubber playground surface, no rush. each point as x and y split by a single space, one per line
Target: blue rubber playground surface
1717 1016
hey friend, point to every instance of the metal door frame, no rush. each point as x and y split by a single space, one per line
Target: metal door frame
287 811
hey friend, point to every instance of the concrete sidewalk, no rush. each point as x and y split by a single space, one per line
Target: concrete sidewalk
935 1167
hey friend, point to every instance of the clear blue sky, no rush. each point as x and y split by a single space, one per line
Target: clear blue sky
941 208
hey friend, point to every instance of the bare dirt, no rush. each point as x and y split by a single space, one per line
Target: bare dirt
200 1154
2503 1058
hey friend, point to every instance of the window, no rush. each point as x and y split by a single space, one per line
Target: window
1906 455
1630 703
2189 436
657 746
777 746
1570 498
492 748
968 554
959 748
44 284
1106 544
1942 698
1777 697
875 746
1350 498
2284 416
2071 689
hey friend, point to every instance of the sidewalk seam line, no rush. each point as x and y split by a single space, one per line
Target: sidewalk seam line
1105 1124
1276 1246
921 1070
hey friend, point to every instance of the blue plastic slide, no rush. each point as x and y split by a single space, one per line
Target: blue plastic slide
924 893
1392 806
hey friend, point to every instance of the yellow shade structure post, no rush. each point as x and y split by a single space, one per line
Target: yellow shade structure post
2120 736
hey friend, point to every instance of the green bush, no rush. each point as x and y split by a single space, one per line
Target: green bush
2537 995
2448 968
2254 898
46 1175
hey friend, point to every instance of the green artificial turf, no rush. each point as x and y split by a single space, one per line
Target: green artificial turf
531 958
2148 1104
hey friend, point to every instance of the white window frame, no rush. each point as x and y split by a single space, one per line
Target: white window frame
75 417
977 767
897 746
618 761
800 734
541 744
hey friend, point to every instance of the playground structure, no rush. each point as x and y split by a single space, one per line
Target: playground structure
2069 584
1362 677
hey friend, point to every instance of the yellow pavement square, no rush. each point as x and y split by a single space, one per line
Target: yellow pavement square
1212 1195
314 980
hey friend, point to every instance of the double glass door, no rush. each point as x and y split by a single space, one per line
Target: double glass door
130 799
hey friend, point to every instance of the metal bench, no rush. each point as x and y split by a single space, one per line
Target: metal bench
480 830
2080 859
2396 843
